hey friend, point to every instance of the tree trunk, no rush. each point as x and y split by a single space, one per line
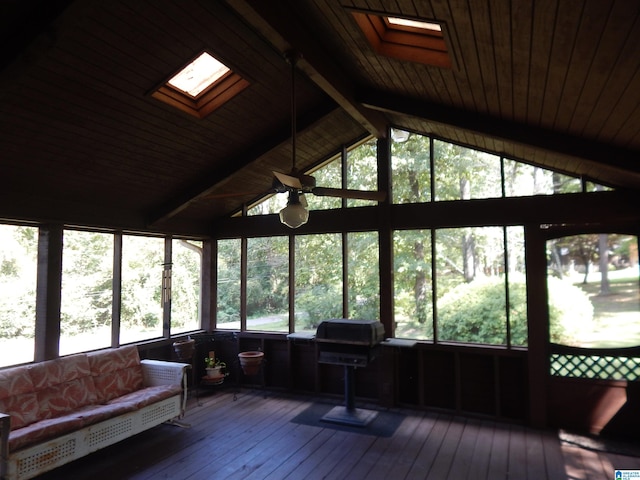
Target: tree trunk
420 285
468 257
603 244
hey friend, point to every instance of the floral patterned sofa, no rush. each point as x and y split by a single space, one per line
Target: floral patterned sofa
56 411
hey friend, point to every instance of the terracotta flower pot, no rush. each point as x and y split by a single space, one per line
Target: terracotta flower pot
250 362
184 348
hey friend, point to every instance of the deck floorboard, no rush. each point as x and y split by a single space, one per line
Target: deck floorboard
246 435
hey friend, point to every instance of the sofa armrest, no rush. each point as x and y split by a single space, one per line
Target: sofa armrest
159 372
5 426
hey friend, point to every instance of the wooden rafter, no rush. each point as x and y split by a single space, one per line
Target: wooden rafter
285 33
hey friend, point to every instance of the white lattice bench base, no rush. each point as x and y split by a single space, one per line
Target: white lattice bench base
32 461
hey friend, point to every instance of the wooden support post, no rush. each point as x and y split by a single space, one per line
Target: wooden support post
538 325
385 241
5 427
48 292
116 285
208 279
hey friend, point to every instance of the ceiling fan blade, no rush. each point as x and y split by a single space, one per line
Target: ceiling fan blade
346 193
211 196
288 180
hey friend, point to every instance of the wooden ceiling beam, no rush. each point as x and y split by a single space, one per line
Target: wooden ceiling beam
588 210
286 32
614 160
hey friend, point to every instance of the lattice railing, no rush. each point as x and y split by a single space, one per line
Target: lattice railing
603 364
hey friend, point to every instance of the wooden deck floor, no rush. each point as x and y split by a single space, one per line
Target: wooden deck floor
258 438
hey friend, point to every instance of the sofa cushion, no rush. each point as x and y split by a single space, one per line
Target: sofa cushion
147 396
43 430
62 385
115 372
92 414
66 397
17 396
61 370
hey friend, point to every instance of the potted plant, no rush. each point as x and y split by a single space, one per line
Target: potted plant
216 368
184 348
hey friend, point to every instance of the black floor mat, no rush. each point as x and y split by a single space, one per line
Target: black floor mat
384 425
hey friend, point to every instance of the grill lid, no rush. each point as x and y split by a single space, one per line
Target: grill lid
350 332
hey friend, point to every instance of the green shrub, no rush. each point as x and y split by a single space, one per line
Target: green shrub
317 303
475 312
228 314
570 310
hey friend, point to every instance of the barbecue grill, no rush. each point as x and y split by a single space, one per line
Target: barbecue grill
351 344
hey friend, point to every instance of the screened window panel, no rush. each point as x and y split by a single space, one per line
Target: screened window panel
411 170
362 171
18 279
464 174
87 291
471 298
268 284
228 286
521 179
413 284
364 276
593 287
318 281
142 266
185 285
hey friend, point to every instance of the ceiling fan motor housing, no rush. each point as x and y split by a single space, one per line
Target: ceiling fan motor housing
308 182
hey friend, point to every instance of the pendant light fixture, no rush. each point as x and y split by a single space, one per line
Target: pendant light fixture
295 214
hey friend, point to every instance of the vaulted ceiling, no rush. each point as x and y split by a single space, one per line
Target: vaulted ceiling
554 82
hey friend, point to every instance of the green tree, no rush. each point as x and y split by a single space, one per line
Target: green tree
318 279
87 274
185 285
228 285
18 271
412 278
364 275
411 170
267 276
411 184
362 171
462 173
142 265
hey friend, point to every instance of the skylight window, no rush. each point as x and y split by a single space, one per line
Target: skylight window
404 22
405 38
199 75
201 87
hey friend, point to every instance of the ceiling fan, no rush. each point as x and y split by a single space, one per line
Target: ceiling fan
296 214
296 183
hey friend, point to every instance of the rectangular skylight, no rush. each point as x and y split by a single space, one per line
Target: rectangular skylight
198 75
410 40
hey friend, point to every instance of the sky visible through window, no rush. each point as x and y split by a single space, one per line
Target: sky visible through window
198 75
403 22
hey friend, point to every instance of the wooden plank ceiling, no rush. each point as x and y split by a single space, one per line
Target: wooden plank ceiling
553 82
